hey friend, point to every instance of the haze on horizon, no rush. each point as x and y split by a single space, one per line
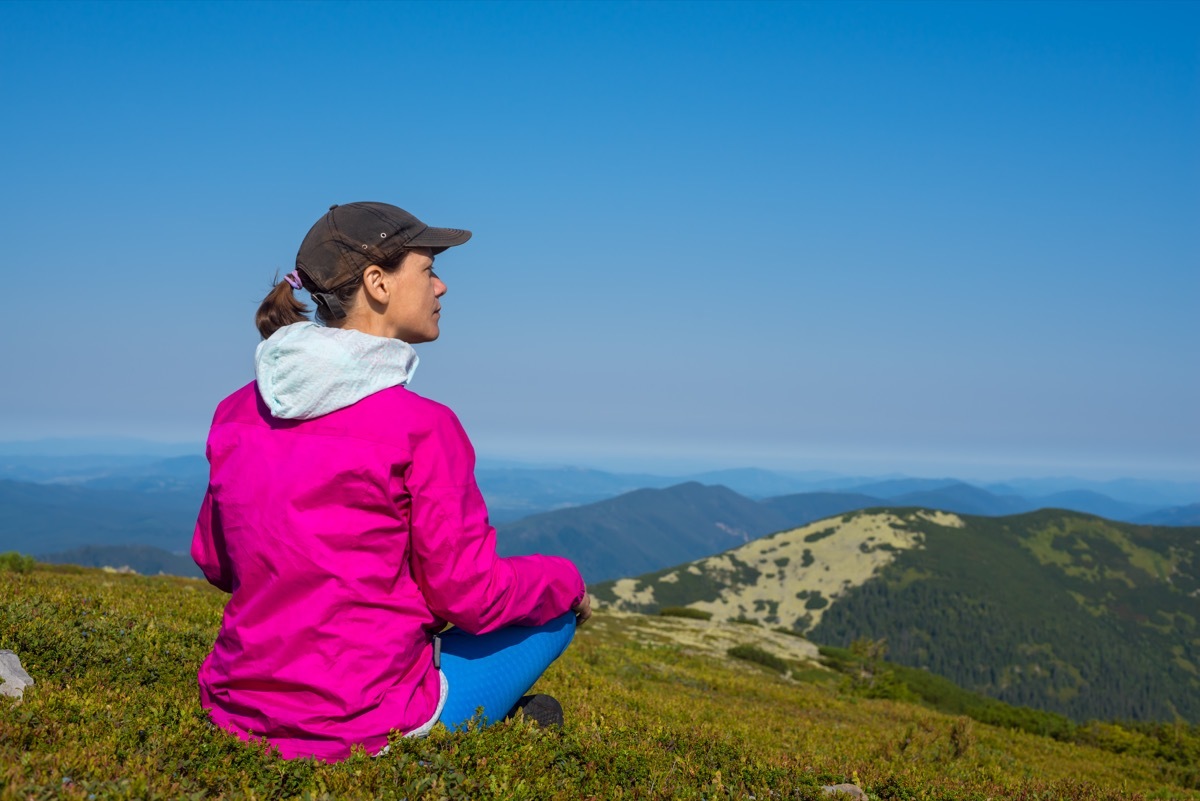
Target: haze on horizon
929 238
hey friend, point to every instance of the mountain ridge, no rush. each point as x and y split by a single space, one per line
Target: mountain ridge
622 537
1058 610
155 504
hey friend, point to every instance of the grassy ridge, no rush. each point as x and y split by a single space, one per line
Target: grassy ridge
1061 611
114 714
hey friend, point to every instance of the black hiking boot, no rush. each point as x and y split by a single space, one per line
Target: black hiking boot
541 709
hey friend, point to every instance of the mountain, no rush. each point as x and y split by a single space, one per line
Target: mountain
515 492
1143 492
643 530
649 529
785 579
70 461
68 469
144 559
807 506
41 518
181 473
1058 610
149 499
155 504
1093 503
756 483
95 447
964 499
903 486
1175 516
956 496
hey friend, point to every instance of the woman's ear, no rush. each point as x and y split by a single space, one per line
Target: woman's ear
374 284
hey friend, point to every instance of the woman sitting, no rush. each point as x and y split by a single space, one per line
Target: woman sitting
342 514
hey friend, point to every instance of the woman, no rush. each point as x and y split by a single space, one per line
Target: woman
343 516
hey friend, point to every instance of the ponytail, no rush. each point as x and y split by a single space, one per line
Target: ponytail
279 308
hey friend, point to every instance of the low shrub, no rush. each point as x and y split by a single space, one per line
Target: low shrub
752 653
789 632
814 675
685 611
15 562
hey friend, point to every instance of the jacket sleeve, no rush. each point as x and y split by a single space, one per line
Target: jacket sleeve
208 546
453 548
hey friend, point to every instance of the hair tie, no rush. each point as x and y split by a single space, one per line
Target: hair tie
293 278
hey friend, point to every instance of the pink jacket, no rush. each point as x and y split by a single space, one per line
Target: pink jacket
347 541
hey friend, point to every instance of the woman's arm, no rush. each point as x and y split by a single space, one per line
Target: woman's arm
453 548
208 546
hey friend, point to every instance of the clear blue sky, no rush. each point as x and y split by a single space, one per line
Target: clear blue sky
947 237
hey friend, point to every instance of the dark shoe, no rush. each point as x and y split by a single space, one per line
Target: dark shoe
541 709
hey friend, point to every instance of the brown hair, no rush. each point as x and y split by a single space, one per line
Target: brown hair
281 307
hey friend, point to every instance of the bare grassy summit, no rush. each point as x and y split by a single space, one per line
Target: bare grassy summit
784 579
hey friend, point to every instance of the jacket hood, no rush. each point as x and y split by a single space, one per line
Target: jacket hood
305 370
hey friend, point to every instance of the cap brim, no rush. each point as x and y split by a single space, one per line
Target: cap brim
438 238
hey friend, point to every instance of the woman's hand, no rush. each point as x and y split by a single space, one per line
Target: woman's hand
582 610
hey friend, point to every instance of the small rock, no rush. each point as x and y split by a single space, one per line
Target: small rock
13 678
848 790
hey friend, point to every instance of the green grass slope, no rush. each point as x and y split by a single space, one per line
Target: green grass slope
656 708
1057 610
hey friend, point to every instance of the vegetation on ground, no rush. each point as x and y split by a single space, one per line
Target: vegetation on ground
114 714
14 562
752 653
868 674
685 611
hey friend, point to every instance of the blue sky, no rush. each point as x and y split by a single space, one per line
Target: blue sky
931 237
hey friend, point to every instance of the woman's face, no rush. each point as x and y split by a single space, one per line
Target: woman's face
413 306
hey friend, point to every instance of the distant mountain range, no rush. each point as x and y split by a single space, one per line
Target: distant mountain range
1052 609
642 530
68 496
144 559
648 529
1175 516
44 518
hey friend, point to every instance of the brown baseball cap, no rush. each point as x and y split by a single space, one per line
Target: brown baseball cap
353 236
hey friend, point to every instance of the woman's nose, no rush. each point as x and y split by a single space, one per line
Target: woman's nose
439 287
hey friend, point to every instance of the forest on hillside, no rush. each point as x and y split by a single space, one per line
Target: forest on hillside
1063 612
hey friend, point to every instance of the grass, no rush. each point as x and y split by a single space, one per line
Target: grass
114 714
